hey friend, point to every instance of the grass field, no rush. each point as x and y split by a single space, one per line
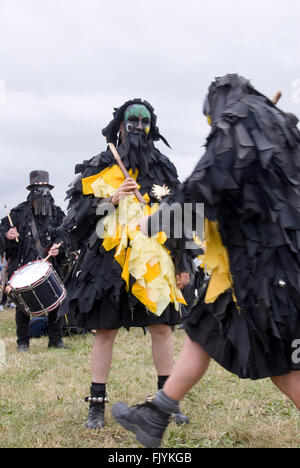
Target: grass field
42 399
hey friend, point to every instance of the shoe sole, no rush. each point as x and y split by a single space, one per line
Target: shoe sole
94 428
146 440
180 419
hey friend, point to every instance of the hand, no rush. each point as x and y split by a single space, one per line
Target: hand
12 234
7 290
127 188
143 224
54 251
182 280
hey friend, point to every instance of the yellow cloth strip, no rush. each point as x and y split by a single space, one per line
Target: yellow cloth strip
217 262
109 180
145 259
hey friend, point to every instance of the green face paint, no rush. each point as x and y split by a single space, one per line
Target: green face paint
137 118
137 110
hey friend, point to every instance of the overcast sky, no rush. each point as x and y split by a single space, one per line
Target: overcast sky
65 64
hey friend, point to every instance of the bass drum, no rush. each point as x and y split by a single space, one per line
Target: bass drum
37 289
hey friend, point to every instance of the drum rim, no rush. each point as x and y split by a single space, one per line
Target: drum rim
50 308
25 288
19 290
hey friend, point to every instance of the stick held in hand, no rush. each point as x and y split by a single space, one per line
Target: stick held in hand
10 220
125 172
58 246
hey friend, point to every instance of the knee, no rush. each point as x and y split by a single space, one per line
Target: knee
160 331
289 385
106 336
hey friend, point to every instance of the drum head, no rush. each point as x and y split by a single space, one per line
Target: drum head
29 274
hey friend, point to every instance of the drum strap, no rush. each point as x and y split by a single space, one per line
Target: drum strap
41 251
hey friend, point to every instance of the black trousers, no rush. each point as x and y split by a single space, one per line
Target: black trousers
55 328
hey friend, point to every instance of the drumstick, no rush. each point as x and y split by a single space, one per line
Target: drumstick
276 97
47 258
125 172
10 220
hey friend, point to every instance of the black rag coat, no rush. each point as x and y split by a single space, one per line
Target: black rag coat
249 181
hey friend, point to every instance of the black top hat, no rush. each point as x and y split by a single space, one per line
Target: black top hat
39 178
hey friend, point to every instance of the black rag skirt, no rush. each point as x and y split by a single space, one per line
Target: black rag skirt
108 314
239 344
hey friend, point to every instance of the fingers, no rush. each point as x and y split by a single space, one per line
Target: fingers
125 193
127 188
128 185
12 234
54 251
182 280
119 195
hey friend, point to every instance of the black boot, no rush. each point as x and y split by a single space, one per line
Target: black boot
23 348
147 421
97 402
179 418
59 345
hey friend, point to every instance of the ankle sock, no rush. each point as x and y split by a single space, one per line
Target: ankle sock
165 403
98 389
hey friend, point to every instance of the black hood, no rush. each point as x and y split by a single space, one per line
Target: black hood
111 132
225 93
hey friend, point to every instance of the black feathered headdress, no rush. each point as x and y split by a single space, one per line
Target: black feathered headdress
225 93
112 130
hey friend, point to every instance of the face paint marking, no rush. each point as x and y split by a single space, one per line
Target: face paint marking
137 117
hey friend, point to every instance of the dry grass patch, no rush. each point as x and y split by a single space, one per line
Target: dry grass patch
42 392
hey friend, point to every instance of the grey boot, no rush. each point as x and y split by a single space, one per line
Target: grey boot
147 421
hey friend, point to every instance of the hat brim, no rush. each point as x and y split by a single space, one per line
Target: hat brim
40 184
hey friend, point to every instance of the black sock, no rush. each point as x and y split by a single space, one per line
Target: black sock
161 381
98 389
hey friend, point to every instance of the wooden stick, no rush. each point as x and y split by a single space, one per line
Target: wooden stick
10 221
47 258
125 172
276 97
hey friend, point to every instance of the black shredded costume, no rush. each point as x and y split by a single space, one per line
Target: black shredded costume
97 298
48 225
249 181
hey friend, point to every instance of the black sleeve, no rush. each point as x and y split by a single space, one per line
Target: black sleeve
81 220
10 247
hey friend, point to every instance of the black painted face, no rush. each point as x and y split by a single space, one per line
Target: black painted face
137 120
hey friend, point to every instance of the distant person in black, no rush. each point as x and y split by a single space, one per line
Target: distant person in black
36 226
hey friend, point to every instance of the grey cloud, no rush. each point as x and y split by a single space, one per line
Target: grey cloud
67 64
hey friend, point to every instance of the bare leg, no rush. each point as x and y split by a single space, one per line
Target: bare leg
101 356
190 367
162 348
289 384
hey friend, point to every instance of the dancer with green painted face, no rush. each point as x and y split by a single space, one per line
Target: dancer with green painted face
103 293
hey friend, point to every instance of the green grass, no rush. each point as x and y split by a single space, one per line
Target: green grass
42 399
